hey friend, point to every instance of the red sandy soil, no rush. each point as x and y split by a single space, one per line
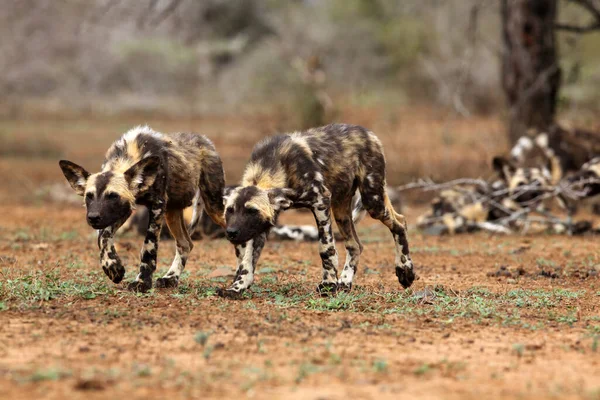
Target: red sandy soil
283 341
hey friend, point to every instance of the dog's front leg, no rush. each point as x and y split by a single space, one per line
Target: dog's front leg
109 259
321 209
247 256
143 282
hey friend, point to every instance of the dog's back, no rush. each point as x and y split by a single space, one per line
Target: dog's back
190 159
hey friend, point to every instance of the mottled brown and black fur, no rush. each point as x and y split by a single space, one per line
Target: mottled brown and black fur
573 147
204 227
466 208
319 169
208 229
457 211
587 179
165 173
567 149
526 186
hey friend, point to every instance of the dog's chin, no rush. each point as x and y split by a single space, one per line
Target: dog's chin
236 241
242 240
98 226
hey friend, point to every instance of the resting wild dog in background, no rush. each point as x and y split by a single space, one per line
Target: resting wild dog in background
588 178
567 150
458 210
537 180
164 173
320 169
536 163
467 208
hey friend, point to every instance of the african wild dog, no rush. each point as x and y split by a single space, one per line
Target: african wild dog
468 208
208 229
587 179
567 149
525 186
456 210
535 164
319 169
205 227
164 173
571 149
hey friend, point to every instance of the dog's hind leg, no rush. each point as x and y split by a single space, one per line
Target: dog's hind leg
176 225
378 205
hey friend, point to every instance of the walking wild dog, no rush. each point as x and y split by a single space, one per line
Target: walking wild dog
164 173
319 169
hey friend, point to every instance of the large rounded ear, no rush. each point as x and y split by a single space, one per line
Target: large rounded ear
76 175
281 199
142 175
504 168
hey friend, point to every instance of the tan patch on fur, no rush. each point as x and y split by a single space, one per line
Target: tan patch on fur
595 168
251 173
231 199
119 165
557 172
205 153
117 184
398 217
133 151
90 186
350 146
187 215
122 164
276 180
452 196
520 177
510 204
301 141
255 175
263 205
135 154
448 220
474 212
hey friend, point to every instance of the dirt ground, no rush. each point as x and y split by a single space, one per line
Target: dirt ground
490 317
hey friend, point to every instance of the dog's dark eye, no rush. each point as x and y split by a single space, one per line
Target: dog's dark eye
229 210
112 196
89 196
251 210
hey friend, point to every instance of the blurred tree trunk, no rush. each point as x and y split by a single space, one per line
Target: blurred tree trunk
530 70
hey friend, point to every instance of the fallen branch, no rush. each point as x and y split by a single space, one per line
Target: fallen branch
493 227
428 185
517 212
